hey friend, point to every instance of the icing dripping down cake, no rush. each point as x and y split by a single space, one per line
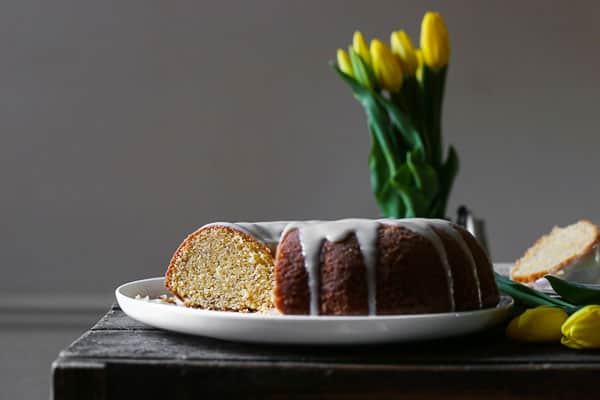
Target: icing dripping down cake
343 267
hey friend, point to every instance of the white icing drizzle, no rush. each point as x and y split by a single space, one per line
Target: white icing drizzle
266 232
314 233
367 241
454 234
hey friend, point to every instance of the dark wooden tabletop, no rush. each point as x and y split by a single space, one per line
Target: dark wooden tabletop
119 358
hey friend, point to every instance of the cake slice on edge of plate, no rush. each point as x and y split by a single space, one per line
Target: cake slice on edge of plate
569 252
223 267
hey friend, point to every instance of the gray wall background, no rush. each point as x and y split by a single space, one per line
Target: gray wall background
125 125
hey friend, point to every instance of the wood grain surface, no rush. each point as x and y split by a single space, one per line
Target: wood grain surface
119 358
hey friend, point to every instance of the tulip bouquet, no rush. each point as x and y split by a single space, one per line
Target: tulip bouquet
574 319
401 90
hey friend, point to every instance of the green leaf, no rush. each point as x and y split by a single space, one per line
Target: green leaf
447 174
378 168
413 101
362 71
424 175
404 125
432 91
415 202
389 202
356 86
403 176
450 167
378 119
573 292
367 96
530 297
381 132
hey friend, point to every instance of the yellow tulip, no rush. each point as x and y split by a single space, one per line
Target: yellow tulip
540 324
419 73
344 63
360 47
402 46
582 329
434 41
386 66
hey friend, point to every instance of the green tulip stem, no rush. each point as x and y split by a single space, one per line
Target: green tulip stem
408 177
531 297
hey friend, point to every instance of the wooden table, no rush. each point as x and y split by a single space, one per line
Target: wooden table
120 358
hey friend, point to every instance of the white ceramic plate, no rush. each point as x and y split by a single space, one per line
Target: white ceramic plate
296 329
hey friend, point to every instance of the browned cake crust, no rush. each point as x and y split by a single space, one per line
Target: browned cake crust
292 295
343 283
464 279
410 278
171 268
487 281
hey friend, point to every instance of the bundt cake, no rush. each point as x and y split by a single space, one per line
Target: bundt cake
571 253
344 267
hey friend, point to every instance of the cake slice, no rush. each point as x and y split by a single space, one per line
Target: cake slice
223 268
556 251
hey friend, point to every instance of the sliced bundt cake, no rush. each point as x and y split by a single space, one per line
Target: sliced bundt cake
344 267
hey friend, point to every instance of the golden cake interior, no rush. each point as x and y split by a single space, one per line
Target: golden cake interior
223 269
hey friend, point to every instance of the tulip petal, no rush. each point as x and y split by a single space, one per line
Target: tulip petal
386 66
402 46
540 324
582 329
434 41
360 47
344 62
